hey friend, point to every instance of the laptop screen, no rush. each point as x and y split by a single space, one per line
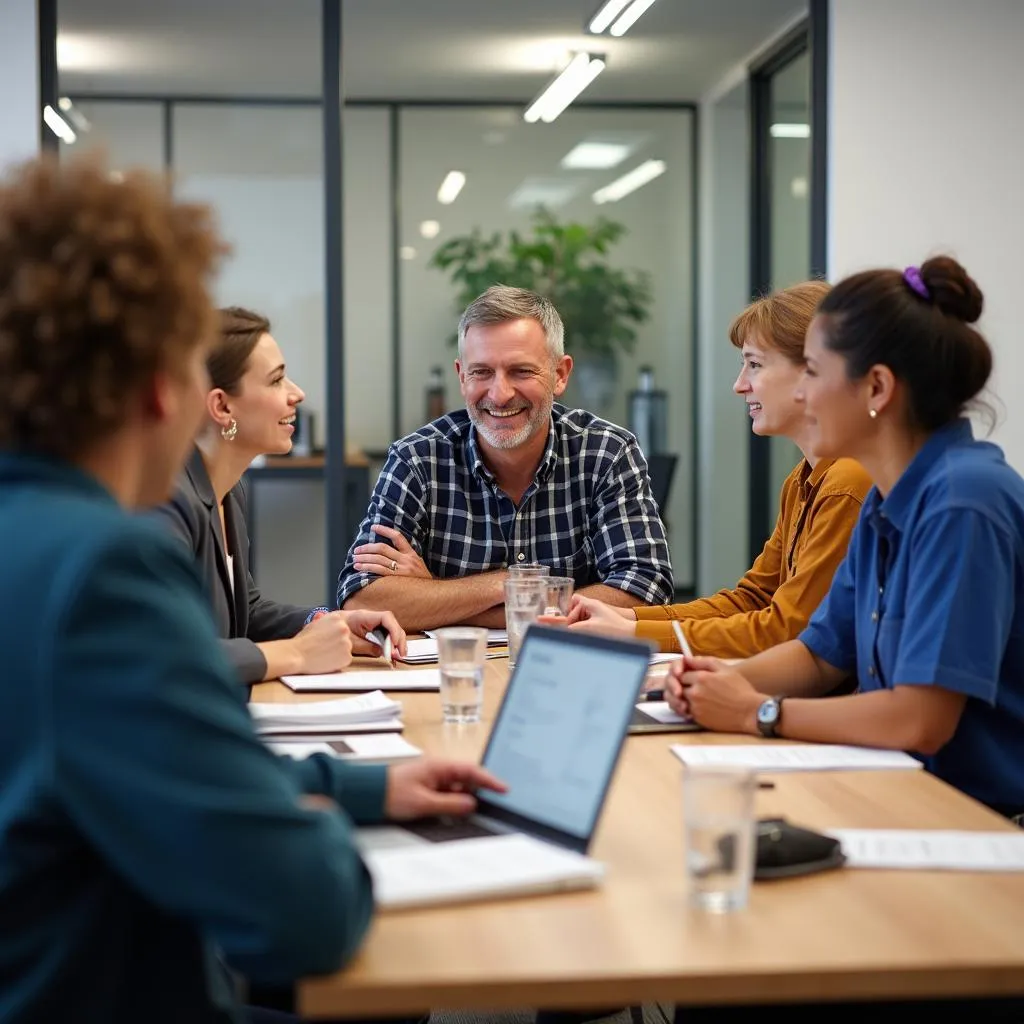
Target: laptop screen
561 726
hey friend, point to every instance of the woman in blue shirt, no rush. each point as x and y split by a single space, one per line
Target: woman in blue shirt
928 607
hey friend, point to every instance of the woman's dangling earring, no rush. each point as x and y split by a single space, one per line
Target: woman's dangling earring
873 413
228 433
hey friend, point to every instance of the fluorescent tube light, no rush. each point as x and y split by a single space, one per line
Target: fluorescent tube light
451 187
579 73
630 182
630 16
430 228
790 131
608 13
595 155
58 125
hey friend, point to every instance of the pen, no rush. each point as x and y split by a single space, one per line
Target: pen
386 651
683 645
766 785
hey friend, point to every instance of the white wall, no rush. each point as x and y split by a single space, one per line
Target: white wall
19 82
925 155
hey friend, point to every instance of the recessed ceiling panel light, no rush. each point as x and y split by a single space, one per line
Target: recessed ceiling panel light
591 155
780 130
451 187
630 182
407 252
538 191
430 228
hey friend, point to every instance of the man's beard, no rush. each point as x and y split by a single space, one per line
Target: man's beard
537 417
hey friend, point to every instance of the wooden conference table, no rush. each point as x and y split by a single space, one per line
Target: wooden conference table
847 934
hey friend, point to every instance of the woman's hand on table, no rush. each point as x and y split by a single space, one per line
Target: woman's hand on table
361 621
713 693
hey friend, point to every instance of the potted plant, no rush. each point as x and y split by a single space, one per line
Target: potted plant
600 305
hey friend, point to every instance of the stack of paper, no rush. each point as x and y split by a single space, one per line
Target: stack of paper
369 712
424 652
791 757
495 637
363 682
377 748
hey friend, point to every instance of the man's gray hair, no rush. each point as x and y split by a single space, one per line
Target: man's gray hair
501 304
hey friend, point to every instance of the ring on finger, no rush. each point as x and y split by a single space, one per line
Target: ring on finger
394 565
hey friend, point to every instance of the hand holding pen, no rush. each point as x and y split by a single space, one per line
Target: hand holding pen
377 634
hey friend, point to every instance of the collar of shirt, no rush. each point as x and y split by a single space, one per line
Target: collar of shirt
812 477
547 462
898 506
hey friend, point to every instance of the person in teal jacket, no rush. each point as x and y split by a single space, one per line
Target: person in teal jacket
147 836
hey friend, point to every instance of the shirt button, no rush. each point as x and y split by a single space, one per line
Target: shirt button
522 557
874 616
881 590
871 670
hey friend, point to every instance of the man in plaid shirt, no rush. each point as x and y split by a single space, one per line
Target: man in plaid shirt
512 478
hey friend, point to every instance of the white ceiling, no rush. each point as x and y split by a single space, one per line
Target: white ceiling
404 49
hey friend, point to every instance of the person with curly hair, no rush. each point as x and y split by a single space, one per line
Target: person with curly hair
147 836
250 411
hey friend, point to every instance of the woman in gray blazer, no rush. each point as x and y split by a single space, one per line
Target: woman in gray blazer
251 411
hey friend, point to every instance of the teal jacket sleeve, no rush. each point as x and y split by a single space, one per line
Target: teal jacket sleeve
155 760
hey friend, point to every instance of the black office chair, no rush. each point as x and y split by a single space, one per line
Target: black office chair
662 469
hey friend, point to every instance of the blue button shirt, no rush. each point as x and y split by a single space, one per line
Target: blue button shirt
932 594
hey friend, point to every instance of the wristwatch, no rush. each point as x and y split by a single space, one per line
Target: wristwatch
769 715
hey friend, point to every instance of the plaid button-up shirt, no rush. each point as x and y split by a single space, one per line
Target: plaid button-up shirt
588 514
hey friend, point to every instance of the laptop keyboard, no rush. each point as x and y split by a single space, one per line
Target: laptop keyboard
443 830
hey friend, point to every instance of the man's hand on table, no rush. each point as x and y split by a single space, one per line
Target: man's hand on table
427 788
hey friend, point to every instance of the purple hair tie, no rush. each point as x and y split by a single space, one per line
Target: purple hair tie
912 275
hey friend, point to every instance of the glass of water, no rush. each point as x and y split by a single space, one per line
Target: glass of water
461 655
526 570
719 827
559 595
525 600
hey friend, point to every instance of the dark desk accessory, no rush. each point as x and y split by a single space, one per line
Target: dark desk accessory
785 850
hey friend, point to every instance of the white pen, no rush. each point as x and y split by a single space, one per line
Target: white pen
386 651
683 645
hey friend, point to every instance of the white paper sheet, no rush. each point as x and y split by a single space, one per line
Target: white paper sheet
355 682
918 849
659 710
495 637
379 748
783 757
473 869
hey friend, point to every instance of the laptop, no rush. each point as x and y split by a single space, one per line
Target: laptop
555 743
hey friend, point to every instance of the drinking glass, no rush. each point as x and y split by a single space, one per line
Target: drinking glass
559 594
719 828
525 599
461 655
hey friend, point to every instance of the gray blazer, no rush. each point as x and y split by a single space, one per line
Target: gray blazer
241 615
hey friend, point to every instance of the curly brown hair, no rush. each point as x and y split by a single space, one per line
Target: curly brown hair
103 283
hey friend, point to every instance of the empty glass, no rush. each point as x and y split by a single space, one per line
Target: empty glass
461 654
719 828
525 599
525 570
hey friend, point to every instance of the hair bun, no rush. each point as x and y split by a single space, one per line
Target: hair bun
952 289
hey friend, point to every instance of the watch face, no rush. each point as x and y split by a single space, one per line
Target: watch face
768 712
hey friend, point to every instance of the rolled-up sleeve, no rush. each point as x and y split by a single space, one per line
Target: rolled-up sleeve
627 533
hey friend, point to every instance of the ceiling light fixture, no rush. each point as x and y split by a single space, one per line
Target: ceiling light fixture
430 228
595 155
621 15
621 187
560 92
58 125
451 187
790 131
608 13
